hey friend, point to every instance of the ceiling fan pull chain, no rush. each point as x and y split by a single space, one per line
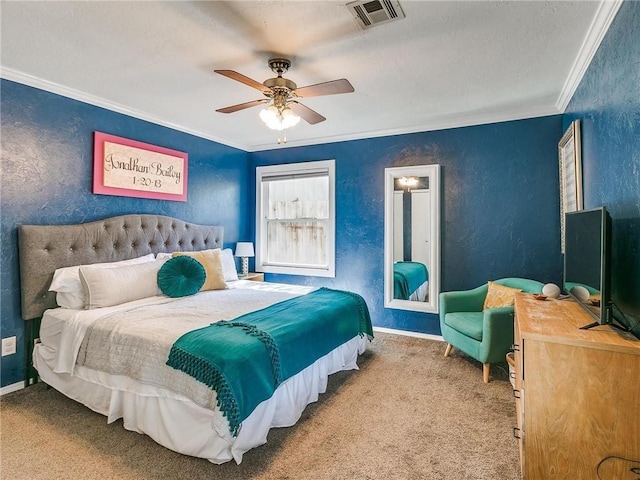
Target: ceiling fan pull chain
284 137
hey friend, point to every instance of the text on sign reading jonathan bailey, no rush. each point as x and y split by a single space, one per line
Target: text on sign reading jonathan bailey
137 169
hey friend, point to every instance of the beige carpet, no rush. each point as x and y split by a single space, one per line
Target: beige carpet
409 413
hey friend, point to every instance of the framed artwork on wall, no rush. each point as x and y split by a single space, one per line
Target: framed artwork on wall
129 168
570 174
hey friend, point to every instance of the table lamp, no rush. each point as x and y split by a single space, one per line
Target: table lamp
244 250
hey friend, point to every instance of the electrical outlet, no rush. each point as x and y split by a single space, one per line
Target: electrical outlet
8 346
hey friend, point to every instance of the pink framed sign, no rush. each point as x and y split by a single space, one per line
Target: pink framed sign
129 168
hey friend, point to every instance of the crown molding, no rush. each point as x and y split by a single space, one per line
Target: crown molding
52 87
597 30
443 123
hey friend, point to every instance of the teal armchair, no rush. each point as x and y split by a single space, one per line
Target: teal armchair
486 335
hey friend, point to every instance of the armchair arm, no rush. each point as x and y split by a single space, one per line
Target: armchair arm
497 334
463 301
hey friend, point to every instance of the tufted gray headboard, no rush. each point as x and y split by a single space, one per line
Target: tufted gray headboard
44 248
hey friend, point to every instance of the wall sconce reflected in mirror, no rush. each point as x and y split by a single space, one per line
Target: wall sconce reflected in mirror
408 182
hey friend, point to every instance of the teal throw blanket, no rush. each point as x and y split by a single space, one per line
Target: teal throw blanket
244 360
407 277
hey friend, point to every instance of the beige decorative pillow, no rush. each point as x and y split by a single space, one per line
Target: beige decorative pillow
212 263
499 296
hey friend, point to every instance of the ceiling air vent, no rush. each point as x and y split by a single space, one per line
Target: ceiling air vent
374 12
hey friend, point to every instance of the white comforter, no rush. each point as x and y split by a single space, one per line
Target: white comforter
136 342
192 312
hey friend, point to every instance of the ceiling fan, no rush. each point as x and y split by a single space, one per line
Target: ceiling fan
285 111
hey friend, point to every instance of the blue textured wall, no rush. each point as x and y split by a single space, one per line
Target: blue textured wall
500 196
607 102
47 164
500 207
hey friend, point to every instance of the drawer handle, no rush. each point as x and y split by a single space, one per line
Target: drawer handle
512 375
516 394
516 433
515 347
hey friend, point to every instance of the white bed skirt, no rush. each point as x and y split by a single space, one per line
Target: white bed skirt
420 294
177 423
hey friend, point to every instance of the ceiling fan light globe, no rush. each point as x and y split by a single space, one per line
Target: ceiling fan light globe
274 125
279 120
286 113
289 119
267 115
291 122
270 120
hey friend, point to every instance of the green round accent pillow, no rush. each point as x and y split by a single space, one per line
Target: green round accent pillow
181 276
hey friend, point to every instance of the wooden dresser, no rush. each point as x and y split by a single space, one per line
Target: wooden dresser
577 394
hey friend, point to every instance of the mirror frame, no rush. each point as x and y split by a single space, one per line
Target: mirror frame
390 174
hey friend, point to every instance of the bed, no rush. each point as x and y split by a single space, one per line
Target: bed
410 281
121 355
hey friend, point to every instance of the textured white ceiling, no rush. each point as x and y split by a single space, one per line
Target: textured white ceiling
446 64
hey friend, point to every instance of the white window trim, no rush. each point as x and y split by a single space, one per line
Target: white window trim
261 228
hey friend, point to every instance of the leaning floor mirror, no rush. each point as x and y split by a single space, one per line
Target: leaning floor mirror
412 238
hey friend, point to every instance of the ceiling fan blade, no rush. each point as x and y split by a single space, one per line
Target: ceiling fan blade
242 106
326 88
310 116
243 79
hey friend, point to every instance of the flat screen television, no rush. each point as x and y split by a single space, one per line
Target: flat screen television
587 262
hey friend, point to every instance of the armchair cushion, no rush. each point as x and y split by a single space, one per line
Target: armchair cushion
467 323
499 296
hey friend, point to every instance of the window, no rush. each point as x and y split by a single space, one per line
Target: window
295 226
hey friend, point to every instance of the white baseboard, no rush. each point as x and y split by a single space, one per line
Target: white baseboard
407 333
14 387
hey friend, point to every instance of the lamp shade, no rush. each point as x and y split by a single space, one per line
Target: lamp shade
244 249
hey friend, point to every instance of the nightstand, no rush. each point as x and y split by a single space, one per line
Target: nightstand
253 276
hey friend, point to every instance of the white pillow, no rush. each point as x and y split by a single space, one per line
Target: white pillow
70 300
112 286
229 265
68 287
163 256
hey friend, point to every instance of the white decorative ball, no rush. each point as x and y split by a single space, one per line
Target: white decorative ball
551 290
580 293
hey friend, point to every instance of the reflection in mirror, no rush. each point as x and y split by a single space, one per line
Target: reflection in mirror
412 237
